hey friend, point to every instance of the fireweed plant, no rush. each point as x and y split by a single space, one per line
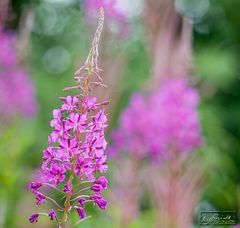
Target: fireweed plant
75 153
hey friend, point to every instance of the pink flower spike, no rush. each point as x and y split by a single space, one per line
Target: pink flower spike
76 147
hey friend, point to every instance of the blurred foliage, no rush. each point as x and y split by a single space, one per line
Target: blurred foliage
15 141
217 51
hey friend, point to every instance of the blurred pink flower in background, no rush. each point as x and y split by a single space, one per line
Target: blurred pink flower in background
160 124
7 54
17 93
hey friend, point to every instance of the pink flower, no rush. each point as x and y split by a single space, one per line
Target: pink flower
57 118
77 122
90 104
68 146
99 121
61 132
57 173
70 104
96 144
84 168
101 164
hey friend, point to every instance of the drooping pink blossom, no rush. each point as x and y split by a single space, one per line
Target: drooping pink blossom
52 215
39 197
81 212
99 201
33 218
